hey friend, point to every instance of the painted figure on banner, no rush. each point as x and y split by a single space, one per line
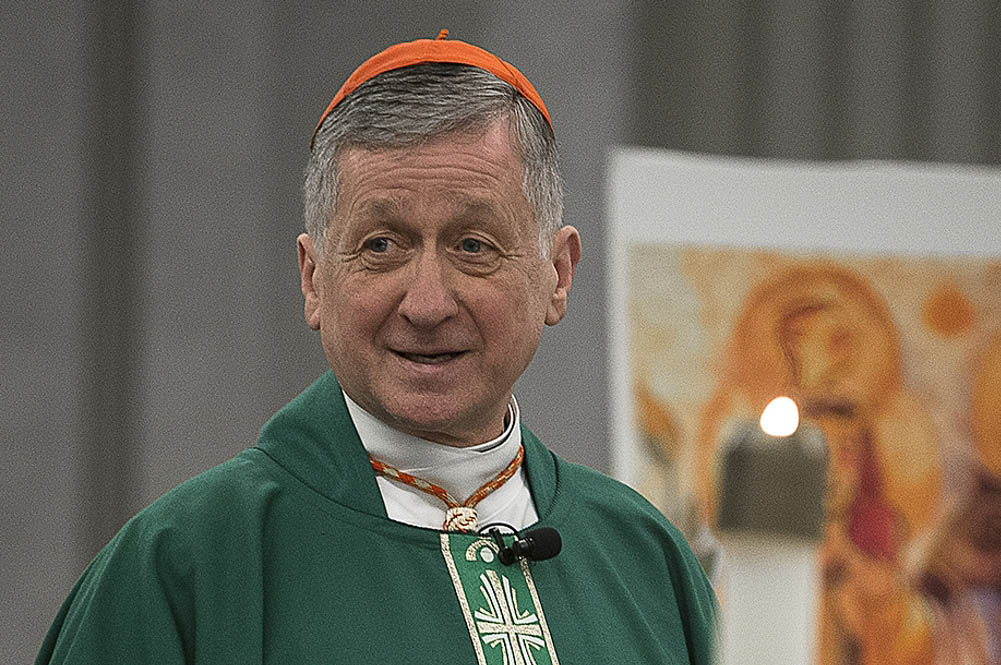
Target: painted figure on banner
820 334
962 565
662 439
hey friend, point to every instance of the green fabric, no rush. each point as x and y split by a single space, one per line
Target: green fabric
284 554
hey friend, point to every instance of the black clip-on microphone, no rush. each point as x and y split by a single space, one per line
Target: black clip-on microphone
537 545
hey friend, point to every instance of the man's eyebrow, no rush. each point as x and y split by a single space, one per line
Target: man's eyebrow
394 211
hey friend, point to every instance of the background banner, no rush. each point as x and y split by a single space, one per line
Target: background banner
869 293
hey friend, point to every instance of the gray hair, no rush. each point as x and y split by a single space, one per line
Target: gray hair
407 106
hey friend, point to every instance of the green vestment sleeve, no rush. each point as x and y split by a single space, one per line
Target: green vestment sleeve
123 609
171 585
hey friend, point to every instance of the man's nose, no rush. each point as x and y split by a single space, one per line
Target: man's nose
428 299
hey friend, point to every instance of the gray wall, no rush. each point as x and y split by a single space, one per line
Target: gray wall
152 156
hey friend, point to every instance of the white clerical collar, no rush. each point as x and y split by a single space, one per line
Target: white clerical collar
461 471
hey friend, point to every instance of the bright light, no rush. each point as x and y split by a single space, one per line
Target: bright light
780 417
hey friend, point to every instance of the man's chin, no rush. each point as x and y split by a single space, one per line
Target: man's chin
434 419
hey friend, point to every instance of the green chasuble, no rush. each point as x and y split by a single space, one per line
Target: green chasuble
284 554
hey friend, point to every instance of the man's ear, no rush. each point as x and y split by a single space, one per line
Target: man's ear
564 255
307 273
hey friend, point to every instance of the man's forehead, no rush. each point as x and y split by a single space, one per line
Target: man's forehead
399 208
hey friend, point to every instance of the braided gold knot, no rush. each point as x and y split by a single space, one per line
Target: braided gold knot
460 518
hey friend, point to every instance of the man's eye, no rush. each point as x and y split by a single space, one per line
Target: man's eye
378 245
472 245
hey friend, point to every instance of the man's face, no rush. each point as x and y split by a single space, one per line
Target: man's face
431 293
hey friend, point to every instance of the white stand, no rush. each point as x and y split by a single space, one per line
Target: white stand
769 590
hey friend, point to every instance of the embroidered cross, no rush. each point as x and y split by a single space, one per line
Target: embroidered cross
518 633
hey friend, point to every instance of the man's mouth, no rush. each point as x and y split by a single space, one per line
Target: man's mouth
428 358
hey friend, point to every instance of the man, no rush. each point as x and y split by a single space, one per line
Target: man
382 516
